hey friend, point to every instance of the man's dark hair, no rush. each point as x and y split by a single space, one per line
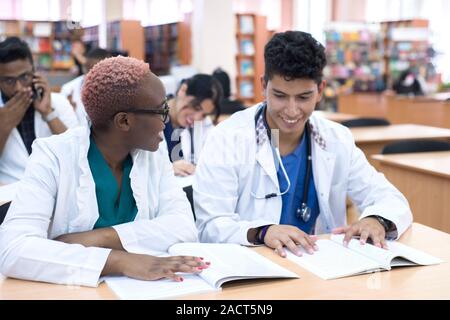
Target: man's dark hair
98 54
294 55
14 48
204 86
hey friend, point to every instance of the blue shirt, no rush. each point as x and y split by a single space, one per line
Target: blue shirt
295 164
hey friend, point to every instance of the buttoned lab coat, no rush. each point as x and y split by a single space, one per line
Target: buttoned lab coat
232 166
57 196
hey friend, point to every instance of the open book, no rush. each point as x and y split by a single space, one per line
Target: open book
333 260
228 262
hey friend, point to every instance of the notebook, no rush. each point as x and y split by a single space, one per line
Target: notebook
229 262
333 260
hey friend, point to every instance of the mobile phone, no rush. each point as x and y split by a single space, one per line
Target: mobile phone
37 93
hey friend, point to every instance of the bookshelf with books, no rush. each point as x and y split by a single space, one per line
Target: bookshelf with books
162 47
251 36
355 59
407 47
126 36
50 42
90 37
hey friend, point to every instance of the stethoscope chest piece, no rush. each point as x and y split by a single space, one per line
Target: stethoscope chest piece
304 212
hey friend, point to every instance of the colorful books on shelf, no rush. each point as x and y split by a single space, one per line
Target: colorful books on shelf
247 47
247 67
246 24
246 89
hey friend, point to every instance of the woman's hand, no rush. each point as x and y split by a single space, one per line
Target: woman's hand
146 267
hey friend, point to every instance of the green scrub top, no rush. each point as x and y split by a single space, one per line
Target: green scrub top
115 205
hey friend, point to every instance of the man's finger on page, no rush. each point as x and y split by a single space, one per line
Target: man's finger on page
363 237
306 245
292 247
279 249
384 244
353 230
376 239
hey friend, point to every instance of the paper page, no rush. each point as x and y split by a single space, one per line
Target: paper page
7 192
131 289
333 260
414 255
382 256
231 262
394 256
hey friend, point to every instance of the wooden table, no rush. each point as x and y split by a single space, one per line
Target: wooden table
371 140
402 283
424 179
335 116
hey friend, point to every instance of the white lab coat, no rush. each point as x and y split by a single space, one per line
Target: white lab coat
14 157
232 166
57 196
73 89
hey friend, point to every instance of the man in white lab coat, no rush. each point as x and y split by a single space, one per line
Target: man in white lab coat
276 175
28 110
101 200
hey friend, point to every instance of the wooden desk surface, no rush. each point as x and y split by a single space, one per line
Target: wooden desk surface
435 163
335 116
402 283
398 132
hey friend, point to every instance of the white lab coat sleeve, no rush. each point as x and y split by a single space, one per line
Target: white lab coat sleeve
375 195
25 250
216 193
65 110
174 221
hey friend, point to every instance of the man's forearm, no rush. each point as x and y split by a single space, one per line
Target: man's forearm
103 238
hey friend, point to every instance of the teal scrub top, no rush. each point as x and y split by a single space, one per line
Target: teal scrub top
115 205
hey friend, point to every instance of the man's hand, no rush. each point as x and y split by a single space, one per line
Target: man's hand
279 236
13 111
43 105
183 168
366 228
146 267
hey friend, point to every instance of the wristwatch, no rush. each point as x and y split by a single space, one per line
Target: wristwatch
51 116
387 224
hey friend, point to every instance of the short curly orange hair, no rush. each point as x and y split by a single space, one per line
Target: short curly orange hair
111 86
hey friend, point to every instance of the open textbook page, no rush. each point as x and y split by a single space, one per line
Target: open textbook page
228 262
333 260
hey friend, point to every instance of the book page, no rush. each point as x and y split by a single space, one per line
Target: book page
133 289
333 260
382 256
396 255
231 262
414 255
7 192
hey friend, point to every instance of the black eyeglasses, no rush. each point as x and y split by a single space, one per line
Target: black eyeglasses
25 79
162 112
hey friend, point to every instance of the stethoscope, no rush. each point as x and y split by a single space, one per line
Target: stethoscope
303 212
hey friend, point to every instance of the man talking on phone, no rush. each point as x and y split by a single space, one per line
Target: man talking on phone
28 110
